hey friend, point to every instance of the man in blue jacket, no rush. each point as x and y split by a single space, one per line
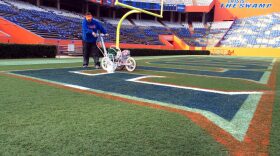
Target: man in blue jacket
90 29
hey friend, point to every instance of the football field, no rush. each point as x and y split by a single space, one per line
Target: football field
171 105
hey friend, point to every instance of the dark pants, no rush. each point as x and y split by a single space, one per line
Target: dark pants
90 49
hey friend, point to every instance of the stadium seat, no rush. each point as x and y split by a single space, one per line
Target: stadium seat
259 31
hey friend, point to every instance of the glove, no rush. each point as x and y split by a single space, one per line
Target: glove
94 34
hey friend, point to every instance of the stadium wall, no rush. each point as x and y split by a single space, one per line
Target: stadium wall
18 34
58 42
234 9
4 37
12 51
252 52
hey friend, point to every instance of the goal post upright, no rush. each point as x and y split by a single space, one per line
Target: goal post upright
133 10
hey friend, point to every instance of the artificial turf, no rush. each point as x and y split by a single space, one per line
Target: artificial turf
37 119
39 66
226 84
41 120
275 129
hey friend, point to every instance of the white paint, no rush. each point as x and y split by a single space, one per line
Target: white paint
76 87
87 74
138 80
223 71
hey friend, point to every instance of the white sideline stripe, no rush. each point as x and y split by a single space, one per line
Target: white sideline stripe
77 87
138 80
223 71
87 74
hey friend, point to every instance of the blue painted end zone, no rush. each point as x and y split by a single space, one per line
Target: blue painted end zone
225 106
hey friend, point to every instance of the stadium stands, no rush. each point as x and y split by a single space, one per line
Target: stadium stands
51 23
217 32
63 12
173 25
198 35
185 2
221 25
204 2
260 31
147 23
135 34
116 21
40 21
201 36
24 5
198 25
3 3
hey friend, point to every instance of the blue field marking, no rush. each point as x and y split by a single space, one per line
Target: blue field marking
225 106
242 74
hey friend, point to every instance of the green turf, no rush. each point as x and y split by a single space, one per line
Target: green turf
184 63
6 62
275 130
42 120
146 63
37 119
204 82
39 66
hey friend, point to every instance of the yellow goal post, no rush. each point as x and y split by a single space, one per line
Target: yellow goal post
133 10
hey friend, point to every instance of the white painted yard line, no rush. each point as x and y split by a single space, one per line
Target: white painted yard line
138 80
88 74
